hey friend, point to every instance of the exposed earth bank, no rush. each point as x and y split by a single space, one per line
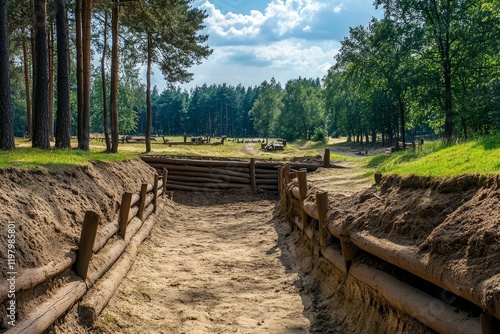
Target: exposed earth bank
227 263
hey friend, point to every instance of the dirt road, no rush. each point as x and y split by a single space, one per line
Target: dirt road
215 266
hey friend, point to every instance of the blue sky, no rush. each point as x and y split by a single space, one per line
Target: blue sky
253 41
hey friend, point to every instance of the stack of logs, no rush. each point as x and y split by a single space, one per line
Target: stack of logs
106 252
216 175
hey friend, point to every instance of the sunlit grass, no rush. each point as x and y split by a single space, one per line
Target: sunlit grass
27 157
438 158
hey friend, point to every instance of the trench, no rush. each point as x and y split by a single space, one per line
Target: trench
217 263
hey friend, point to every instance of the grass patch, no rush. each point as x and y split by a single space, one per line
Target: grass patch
438 158
27 157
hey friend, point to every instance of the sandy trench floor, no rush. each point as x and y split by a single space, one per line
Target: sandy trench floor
215 265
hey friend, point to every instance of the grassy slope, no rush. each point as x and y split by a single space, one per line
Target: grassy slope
439 159
434 159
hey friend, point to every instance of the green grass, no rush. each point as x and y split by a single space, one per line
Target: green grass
438 158
27 157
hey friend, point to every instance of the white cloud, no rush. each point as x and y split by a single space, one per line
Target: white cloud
280 17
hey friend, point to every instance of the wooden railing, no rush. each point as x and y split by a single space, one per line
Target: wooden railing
104 256
341 247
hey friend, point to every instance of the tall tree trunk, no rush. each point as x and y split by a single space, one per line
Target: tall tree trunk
103 79
41 126
449 128
402 118
51 78
33 74
148 96
63 126
86 57
114 78
79 68
27 87
6 116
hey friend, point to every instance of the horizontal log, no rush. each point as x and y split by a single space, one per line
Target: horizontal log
230 172
432 270
311 209
334 256
416 303
135 199
102 261
132 213
149 199
100 294
148 210
47 313
334 229
209 185
266 171
192 179
267 176
191 162
266 181
104 233
31 277
189 188
227 178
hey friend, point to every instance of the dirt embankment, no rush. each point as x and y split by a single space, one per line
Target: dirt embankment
455 222
48 206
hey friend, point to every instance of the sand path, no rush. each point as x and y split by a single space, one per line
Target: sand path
218 266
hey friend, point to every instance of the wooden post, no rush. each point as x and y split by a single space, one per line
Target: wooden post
489 324
326 159
124 210
87 239
252 174
142 201
302 180
286 171
322 204
349 250
164 174
155 192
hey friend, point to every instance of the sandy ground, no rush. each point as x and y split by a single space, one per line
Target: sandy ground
219 266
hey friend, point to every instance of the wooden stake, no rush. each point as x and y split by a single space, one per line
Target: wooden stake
302 180
322 204
87 239
155 192
252 174
326 159
349 250
164 174
142 201
124 211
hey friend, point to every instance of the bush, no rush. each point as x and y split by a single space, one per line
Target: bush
320 134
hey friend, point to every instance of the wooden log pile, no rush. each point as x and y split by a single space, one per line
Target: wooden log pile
105 254
216 175
326 237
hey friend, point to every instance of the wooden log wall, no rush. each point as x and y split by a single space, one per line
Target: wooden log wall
216 175
342 254
102 261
